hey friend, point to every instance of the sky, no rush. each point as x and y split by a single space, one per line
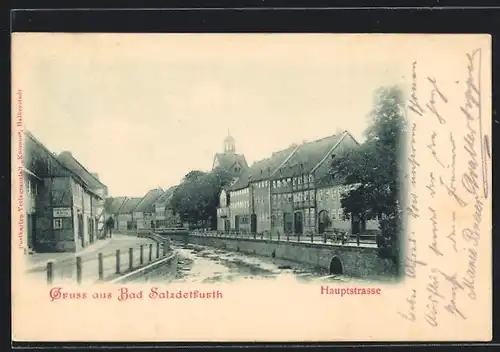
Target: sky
144 110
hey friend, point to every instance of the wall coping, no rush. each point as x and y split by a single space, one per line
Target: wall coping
302 244
144 269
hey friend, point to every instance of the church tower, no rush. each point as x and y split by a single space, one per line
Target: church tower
229 144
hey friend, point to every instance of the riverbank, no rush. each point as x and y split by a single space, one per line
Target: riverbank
203 264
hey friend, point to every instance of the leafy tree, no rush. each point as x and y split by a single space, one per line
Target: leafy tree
375 168
197 197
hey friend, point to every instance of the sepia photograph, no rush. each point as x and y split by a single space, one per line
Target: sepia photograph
175 174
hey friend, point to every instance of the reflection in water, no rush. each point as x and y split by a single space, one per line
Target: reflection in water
200 264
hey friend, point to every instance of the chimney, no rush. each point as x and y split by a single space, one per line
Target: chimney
95 174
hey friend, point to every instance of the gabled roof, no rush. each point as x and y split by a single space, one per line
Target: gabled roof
227 160
165 197
264 169
67 159
114 205
240 182
146 205
46 164
129 205
308 156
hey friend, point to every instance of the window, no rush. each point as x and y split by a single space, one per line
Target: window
341 214
57 224
334 214
29 187
311 178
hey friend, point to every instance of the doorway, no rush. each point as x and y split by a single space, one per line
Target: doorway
324 221
253 223
287 223
298 222
80 229
237 223
31 231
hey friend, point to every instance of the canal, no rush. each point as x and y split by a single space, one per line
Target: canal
201 264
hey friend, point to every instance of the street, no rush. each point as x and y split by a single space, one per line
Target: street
64 267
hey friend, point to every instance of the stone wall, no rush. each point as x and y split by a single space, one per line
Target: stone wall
351 261
164 268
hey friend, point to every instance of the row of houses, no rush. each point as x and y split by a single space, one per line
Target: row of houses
153 211
292 191
63 203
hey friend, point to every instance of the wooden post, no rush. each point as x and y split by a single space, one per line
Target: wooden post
157 250
100 266
50 272
288 236
312 237
117 261
324 238
255 235
142 254
278 236
150 252
79 270
298 237
262 235
130 258
164 248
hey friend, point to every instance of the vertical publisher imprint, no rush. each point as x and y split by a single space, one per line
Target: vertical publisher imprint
19 160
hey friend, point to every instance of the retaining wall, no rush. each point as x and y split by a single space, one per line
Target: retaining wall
351 261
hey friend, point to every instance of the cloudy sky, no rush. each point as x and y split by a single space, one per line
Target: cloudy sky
144 110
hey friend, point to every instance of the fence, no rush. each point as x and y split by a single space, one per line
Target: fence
362 240
106 266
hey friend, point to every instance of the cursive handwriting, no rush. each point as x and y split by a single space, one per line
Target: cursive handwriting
432 147
452 236
472 110
431 315
411 261
470 275
431 184
432 104
412 302
414 104
434 221
452 307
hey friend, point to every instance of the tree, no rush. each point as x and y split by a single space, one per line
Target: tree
197 197
374 167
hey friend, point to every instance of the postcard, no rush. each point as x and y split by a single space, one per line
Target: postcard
251 187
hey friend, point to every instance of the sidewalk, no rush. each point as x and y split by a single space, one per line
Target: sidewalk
38 261
64 264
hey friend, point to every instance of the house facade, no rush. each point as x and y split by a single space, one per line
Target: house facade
113 206
239 209
224 212
299 176
145 210
294 191
61 201
126 220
